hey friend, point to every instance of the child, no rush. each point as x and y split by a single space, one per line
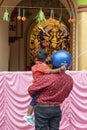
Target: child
40 68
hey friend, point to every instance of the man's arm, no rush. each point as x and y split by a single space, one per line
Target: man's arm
39 84
58 70
68 87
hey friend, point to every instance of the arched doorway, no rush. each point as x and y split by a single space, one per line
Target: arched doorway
33 44
60 9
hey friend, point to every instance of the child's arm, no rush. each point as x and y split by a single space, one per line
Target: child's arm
58 70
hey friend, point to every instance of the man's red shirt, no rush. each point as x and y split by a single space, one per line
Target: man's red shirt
53 88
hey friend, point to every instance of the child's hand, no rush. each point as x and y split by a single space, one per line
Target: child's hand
63 68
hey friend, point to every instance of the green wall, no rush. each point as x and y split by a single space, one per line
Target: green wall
81 2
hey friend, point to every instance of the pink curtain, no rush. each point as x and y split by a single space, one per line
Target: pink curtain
14 100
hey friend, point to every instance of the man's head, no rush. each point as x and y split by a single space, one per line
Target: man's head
41 55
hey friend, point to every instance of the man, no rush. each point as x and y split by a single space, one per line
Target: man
39 69
53 88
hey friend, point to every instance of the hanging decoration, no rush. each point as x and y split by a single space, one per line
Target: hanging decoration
60 17
19 14
52 13
51 18
6 16
40 16
23 17
71 19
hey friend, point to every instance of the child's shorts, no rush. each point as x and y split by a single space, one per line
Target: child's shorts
33 101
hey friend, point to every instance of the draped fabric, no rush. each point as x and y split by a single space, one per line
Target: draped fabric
14 101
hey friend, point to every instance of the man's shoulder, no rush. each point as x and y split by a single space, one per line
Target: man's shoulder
67 75
68 78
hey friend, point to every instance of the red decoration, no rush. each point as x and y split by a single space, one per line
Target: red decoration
44 44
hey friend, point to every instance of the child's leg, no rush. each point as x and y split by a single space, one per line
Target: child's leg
29 117
32 104
30 110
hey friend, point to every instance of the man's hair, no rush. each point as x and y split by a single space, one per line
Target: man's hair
41 55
